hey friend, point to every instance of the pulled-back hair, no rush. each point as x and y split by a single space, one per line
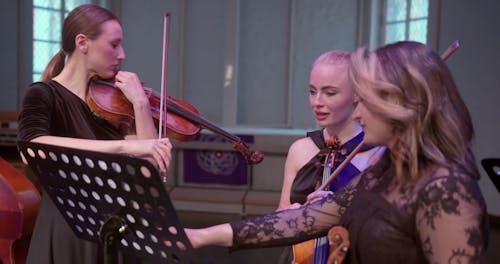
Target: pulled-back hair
85 19
408 84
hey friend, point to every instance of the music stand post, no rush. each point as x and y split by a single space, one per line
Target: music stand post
115 200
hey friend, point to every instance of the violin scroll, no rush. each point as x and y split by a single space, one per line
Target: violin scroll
252 157
338 237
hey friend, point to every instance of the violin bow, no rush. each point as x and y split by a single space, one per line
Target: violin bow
162 133
450 50
164 70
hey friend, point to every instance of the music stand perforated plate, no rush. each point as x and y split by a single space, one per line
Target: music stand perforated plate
492 167
89 188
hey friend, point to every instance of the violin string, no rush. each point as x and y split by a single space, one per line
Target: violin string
197 119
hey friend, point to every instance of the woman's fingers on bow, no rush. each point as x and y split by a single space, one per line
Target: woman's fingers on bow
318 194
162 154
156 151
165 152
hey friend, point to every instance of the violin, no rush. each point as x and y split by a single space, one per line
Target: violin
338 237
316 250
18 209
183 121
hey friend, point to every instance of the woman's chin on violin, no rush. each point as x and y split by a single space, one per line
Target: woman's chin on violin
56 111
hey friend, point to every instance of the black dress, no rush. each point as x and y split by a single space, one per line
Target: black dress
442 218
51 109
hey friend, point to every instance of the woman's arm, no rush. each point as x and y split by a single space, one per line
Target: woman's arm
218 235
157 151
289 175
285 227
299 153
132 88
451 221
37 117
144 125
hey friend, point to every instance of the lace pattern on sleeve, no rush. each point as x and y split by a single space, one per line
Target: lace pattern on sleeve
293 225
451 220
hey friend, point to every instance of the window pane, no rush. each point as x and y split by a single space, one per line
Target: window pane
46 25
56 4
36 77
395 32
71 4
419 8
396 10
42 53
418 30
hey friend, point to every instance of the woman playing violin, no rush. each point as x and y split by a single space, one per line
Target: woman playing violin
421 202
332 102
54 112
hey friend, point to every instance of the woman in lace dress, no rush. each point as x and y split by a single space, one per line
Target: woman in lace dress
421 202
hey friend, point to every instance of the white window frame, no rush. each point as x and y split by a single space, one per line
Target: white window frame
376 36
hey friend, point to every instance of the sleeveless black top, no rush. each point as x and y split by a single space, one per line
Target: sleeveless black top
309 177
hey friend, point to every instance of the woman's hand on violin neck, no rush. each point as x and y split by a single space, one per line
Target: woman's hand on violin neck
292 206
132 88
156 151
317 195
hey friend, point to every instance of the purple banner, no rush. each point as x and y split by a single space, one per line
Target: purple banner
214 166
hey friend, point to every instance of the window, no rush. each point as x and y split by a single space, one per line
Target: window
48 17
405 20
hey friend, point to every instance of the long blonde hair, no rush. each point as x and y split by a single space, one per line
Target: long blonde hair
85 19
410 86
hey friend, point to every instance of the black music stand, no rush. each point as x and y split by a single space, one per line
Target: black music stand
492 167
115 200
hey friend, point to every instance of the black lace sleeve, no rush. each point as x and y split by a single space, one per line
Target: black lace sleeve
293 225
451 220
